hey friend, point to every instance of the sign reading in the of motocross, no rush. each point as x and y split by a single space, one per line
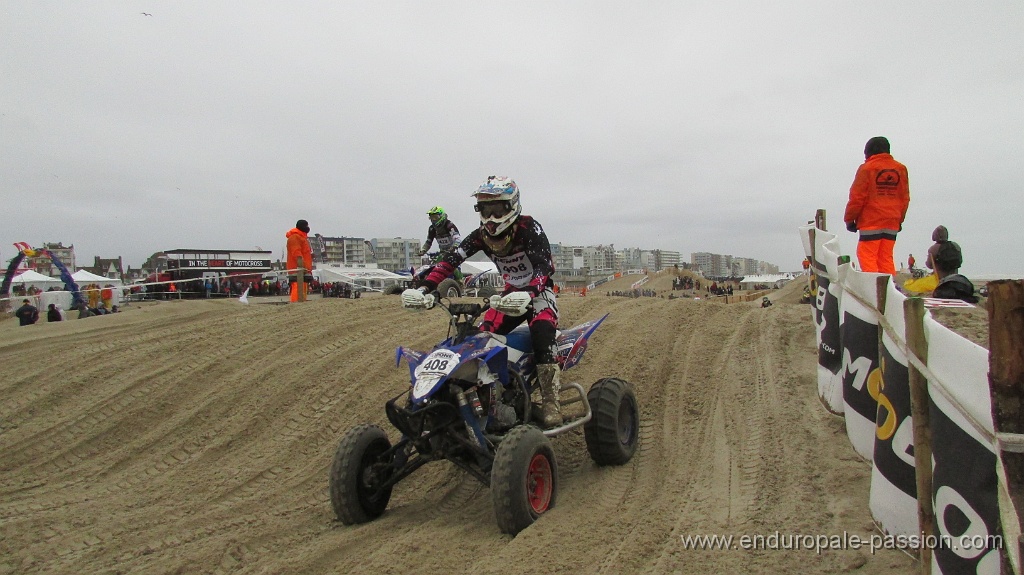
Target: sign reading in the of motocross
209 264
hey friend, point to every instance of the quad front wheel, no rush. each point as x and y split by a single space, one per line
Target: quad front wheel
613 432
358 470
524 478
449 288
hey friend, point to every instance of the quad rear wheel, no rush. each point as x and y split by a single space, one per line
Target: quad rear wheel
358 469
613 433
524 479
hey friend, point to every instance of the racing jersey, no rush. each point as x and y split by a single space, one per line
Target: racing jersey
525 266
447 237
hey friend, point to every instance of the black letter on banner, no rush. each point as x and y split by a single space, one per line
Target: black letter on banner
827 318
894 433
969 469
860 359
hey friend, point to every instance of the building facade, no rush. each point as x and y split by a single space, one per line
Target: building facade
42 263
395 254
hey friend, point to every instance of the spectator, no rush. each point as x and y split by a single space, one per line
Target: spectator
879 198
27 314
952 285
107 295
84 311
939 235
52 313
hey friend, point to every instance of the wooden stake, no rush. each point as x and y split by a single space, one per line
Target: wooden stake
1006 386
913 309
881 295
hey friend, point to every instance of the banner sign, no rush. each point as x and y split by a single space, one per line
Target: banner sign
826 319
862 377
893 497
964 485
218 264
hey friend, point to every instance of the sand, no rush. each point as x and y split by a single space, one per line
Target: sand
195 437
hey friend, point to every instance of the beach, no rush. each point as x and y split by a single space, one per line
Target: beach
196 436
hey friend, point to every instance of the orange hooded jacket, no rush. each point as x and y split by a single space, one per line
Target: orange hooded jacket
880 195
298 246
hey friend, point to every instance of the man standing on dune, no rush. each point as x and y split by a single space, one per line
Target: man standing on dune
879 198
298 247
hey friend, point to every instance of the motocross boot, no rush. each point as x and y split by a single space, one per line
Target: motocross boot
548 379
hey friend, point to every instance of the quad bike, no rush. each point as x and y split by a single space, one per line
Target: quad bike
450 287
470 403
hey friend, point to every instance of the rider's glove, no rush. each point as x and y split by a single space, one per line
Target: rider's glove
851 226
417 299
513 304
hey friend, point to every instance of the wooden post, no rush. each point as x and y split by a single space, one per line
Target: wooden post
1006 386
300 276
881 295
913 309
819 220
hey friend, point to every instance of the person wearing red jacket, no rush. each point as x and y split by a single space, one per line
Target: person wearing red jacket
298 247
879 198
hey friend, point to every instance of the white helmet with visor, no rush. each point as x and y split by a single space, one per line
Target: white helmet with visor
497 202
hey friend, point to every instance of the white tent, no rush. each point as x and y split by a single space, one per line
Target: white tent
31 278
474 267
485 271
372 278
85 277
774 280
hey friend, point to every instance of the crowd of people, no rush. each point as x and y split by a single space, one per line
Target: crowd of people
633 293
685 283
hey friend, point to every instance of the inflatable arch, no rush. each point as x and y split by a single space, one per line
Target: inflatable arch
65 276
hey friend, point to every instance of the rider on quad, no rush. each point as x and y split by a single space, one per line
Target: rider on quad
517 244
442 229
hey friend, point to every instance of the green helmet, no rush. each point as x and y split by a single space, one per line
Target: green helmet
437 215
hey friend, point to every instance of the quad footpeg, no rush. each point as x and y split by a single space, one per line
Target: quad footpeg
576 394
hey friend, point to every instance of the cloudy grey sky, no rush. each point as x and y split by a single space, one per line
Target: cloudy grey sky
689 126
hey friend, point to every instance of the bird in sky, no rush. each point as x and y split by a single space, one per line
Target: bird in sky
145 13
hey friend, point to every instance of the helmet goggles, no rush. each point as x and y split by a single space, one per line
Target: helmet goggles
493 209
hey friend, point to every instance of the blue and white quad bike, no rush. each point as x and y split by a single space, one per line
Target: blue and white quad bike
470 403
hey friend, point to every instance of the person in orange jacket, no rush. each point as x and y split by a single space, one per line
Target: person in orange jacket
298 247
879 198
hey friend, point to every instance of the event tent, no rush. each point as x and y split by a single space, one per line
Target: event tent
33 278
774 280
367 277
86 277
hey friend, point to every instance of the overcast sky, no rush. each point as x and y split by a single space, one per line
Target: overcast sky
680 125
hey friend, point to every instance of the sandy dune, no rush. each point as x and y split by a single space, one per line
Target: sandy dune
195 437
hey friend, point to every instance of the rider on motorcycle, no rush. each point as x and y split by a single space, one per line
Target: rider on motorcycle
442 229
517 244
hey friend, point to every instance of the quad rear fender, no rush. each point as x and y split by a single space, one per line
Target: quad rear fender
571 343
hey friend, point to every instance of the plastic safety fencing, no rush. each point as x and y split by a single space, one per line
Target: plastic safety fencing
863 375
